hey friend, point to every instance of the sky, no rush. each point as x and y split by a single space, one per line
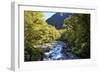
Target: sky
47 15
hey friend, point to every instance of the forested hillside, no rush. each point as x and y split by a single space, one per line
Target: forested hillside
42 41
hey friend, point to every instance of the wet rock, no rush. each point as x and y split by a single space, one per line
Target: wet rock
59 51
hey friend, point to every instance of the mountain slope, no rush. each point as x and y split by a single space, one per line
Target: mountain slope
57 19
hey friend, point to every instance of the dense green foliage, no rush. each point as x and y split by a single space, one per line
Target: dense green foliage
37 32
78 34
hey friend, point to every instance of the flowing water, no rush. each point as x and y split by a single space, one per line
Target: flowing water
56 52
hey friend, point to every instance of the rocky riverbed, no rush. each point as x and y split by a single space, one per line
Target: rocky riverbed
58 51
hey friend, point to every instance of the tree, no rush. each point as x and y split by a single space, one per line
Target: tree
78 34
37 32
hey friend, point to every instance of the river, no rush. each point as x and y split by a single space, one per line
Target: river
57 52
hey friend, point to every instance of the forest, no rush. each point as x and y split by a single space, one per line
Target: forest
44 42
